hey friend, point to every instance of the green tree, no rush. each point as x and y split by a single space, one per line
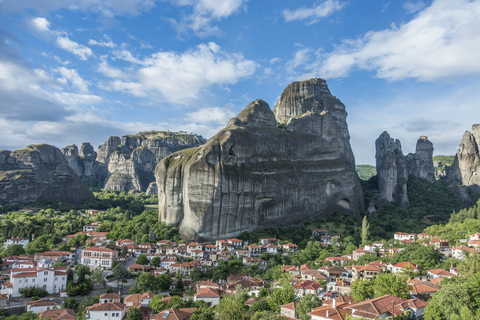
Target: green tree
134 314
13 250
146 281
307 303
203 313
449 300
157 303
97 275
155 262
179 289
365 230
82 271
231 307
196 275
260 305
362 290
142 259
283 295
71 303
164 281
267 315
390 283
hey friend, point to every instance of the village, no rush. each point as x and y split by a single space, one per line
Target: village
329 280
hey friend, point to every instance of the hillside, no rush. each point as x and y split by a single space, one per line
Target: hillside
365 171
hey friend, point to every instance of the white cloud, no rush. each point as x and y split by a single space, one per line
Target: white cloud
77 49
211 115
441 41
204 13
73 76
181 77
411 7
108 44
313 14
41 26
275 60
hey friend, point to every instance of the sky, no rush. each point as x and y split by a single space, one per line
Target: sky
74 71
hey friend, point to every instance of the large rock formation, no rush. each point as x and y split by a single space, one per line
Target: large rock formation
39 172
392 170
420 163
83 163
127 163
466 166
255 173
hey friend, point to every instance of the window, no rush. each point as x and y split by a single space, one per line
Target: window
45 279
19 281
26 280
63 278
45 273
106 314
56 278
33 280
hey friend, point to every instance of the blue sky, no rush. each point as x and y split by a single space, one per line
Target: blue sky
73 71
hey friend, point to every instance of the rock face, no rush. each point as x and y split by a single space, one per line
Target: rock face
127 163
40 172
466 166
420 163
257 173
83 162
392 170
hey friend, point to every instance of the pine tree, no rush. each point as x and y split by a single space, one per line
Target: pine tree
365 230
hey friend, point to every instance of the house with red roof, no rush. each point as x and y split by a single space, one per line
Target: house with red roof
102 311
386 306
207 295
307 286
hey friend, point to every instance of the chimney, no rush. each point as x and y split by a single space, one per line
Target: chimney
334 303
327 314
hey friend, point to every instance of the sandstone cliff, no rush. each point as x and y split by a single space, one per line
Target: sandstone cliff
420 163
255 173
466 166
39 172
127 163
392 170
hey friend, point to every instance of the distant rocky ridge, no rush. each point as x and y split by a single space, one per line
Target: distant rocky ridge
393 168
264 169
466 166
127 163
39 172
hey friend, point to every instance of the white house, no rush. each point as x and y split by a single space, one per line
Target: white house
404 236
98 257
38 306
21 241
207 295
106 311
52 279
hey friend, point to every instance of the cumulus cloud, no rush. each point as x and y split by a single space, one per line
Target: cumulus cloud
439 42
205 12
108 44
41 26
103 7
412 7
313 14
181 77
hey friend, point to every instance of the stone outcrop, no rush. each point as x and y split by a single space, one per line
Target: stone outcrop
392 170
466 166
84 163
127 163
40 172
257 173
420 163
